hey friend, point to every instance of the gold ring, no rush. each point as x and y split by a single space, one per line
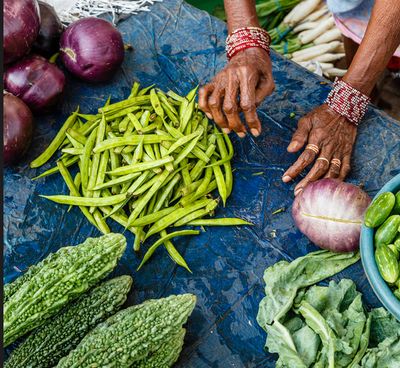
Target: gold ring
313 147
336 162
323 159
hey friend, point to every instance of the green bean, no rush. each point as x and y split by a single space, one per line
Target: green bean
164 100
73 151
77 184
175 96
151 250
76 135
219 222
130 140
187 180
121 105
146 198
219 178
84 201
102 167
183 140
149 150
144 120
156 149
153 217
135 122
115 162
130 192
101 224
175 216
145 90
73 189
198 168
192 94
120 114
67 162
123 125
149 128
166 192
227 164
88 127
118 180
53 146
85 158
197 214
96 157
186 150
124 170
89 117
201 190
150 206
185 201
155 102
119 218
138 154
192 187
186 115
134 90
174 254
138 239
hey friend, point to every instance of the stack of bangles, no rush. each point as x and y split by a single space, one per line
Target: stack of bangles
246 37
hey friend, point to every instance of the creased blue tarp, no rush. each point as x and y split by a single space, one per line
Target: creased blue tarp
177 47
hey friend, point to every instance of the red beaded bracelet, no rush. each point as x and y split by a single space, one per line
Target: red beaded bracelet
347 101
244 38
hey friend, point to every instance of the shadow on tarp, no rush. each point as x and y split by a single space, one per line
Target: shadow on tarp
177 47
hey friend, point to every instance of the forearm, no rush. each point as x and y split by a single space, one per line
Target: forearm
381 39
240 13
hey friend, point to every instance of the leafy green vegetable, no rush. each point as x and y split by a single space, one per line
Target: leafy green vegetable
324 326
284 279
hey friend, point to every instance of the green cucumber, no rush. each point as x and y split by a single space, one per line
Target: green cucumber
396 208
379 209
387 231
393 248
387 264
396 242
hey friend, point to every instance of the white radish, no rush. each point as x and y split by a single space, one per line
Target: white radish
331 35
300 11
317 14
304 27
314 51
329 57
335 72
322 65
317 31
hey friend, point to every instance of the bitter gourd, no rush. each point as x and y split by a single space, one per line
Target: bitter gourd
132 334
58 282
166 355
63 332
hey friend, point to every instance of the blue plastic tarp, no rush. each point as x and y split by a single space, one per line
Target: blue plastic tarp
177 47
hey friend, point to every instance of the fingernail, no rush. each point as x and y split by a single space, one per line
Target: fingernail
241 134
292 146
286 178
298 191
255 132
209 115
226 130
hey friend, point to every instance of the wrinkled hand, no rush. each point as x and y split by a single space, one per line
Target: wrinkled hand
333 134
241 86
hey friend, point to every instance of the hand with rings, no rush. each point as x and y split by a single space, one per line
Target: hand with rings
328 139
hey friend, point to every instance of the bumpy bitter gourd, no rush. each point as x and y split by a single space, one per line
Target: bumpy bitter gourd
131 334
58 282
166 355
63 332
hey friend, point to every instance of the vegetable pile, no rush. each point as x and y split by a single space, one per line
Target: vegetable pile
324 326
77 320
383 215
149 162
330 213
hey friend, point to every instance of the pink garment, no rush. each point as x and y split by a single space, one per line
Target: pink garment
354 28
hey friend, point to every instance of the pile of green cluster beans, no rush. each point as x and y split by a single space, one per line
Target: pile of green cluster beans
149 162
384 216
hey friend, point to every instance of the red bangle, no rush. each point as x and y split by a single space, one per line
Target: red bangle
244 38
347 101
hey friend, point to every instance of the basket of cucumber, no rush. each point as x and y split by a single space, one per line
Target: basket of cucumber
380 245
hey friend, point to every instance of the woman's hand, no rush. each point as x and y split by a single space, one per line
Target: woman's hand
328 139
241 86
